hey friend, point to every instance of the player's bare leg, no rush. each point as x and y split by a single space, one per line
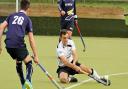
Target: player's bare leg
93 74
65 78
29 70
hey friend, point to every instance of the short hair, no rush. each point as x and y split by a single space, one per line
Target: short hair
24 4
63 32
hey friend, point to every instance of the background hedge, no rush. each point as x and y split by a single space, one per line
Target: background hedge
89 27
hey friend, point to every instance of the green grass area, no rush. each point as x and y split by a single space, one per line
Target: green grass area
106 55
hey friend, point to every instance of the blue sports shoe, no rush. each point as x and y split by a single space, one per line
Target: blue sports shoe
28 84
23 87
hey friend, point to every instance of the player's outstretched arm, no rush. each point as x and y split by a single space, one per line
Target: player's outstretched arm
2 28
75 57
33 46
66 63
62 12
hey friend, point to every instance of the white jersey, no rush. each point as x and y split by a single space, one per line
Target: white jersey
65 51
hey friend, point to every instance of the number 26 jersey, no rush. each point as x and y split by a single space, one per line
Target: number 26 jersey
18 25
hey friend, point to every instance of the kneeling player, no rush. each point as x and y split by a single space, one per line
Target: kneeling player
69 65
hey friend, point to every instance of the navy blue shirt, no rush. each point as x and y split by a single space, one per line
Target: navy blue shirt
18 25
69 7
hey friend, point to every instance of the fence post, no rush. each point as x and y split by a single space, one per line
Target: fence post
17 5
53 1
84 1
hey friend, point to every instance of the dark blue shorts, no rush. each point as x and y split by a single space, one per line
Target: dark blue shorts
18 54
67 70
69 25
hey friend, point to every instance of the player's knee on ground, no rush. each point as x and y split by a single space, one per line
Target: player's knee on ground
63 77
64 80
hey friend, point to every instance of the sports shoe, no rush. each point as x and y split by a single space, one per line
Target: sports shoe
23 87
73 79
105 81
28 85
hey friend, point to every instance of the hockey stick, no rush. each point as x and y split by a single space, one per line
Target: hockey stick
49 76
78 29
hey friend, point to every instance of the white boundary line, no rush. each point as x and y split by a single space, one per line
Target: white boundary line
117 74
85 81
82 82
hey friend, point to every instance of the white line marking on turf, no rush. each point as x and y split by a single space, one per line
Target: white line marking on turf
117 74
85 81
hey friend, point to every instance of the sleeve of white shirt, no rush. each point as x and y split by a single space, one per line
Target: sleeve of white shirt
73 45
60 52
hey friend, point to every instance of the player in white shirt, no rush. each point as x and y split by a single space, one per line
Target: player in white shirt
68 62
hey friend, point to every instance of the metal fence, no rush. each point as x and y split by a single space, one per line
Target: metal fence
79 1
9 6
55 1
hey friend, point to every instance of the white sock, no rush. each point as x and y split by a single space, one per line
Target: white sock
94 75
69 79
